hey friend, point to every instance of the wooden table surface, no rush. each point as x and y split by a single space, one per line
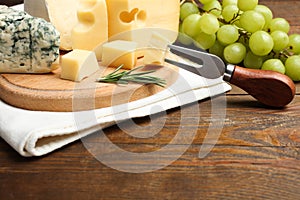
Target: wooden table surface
257 155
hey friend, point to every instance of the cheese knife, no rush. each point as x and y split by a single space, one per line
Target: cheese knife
271 88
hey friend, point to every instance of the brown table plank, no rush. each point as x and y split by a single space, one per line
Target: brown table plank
258 162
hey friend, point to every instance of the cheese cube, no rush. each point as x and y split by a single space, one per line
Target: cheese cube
78 64
119 52
92 27
157 47
128 15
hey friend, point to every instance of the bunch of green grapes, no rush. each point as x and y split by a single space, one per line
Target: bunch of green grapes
241 32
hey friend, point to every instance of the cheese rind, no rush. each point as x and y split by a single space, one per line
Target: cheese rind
119 52
92 27
28 44
78 64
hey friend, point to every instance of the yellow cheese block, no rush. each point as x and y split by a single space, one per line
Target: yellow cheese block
127 15
119 52
78 64
92 27
131 20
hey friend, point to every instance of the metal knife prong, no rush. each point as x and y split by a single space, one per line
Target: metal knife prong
211 65
185 66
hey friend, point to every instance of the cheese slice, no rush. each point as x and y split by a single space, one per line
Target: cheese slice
92 27
78 64
119 52
127 15
61 13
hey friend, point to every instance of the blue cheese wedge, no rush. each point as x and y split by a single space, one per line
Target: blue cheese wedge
27 44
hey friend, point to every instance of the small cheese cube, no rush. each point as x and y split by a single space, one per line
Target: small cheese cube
119 52
157 47
78 64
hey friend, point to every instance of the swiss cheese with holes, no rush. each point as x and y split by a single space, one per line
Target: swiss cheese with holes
128 15
124 17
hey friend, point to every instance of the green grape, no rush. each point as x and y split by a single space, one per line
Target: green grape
187 9
214 7
292 67
274 65
279 24
228 2
253 61
245 5
206 1
237 23
209 23
229 12
294 43
252 21
205 41
191 26
261 43
281 40
217 49
235 53
183 38
266 12
227 34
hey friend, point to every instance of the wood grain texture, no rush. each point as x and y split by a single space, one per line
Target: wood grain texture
257 156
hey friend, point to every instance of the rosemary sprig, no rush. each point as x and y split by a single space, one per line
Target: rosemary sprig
124 77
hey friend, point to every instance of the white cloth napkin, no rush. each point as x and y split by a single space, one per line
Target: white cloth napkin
36 133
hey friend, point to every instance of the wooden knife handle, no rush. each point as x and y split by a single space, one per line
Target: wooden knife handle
268 87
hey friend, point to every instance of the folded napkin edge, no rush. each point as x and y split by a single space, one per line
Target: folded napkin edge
35 146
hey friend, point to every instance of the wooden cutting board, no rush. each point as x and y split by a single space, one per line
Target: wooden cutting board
48 92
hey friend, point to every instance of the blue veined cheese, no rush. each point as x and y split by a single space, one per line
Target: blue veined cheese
27 44
14 40
44 44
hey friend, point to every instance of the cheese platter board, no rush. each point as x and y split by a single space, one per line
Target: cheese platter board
48 92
